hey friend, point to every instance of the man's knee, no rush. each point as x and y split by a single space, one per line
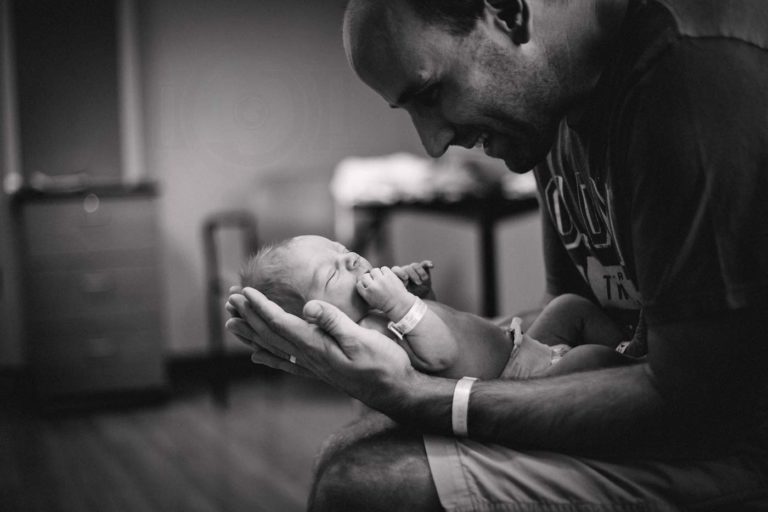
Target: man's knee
385 470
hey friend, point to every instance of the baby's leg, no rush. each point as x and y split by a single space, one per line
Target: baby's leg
585 358
573 320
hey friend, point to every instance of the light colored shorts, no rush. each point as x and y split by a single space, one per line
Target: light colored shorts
484 477
473 476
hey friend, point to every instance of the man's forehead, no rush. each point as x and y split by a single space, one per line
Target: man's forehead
378 26
385 50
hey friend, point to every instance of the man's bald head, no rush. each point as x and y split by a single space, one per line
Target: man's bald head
502 73
374 18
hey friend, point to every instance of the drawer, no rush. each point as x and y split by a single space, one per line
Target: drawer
86 293
86 225
45 332
116 361
89 261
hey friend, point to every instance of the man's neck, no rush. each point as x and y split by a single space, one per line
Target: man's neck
605 18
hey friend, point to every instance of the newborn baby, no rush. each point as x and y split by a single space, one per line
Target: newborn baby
438 339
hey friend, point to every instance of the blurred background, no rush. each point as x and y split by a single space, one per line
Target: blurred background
147 146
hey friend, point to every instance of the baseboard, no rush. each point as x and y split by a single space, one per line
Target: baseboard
184 373
14 384
201 368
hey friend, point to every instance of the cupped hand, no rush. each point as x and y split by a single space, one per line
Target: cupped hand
328 345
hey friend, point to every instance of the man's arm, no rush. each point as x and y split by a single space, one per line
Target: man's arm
613 411
684 396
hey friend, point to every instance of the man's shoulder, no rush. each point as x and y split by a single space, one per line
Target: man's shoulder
744 20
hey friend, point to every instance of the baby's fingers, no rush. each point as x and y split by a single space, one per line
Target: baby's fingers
423 269
401 273
413 274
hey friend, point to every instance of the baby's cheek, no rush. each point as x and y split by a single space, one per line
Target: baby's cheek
360 307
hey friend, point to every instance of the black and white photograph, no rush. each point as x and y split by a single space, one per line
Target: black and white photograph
383 255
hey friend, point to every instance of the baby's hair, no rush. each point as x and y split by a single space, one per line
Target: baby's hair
267 272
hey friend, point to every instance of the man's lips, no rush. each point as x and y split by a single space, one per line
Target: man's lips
481 141
491 144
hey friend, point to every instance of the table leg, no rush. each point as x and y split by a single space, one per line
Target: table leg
488 268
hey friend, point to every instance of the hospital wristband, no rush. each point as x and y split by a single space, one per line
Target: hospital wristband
410 320
460 406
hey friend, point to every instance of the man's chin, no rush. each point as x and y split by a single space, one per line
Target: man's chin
522 161
524 155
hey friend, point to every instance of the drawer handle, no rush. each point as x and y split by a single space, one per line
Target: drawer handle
93 214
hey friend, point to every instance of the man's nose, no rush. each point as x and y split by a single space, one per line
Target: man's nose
435 133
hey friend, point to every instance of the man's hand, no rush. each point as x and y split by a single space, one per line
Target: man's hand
385 291
417 279
328 345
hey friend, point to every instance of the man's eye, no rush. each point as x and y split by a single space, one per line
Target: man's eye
429 96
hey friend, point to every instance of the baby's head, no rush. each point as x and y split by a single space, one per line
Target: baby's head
303 268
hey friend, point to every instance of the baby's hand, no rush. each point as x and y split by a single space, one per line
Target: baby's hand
416 278
383 290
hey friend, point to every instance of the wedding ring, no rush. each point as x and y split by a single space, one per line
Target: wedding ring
292 359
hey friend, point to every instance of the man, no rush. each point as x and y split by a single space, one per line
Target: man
647 122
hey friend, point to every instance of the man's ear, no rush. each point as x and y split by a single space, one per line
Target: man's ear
513 17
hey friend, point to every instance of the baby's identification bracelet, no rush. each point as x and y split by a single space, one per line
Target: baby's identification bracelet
410 320
460 406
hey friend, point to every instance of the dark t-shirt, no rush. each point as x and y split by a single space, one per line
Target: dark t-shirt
659 192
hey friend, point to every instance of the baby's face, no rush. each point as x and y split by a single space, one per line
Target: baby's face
326 270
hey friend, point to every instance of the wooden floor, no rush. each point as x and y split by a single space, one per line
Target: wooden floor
185 455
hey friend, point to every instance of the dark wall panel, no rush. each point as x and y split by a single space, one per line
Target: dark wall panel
66 58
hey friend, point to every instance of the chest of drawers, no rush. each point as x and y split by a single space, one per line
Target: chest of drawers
91 291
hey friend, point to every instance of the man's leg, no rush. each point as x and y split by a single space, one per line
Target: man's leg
574 320
478 477
374 465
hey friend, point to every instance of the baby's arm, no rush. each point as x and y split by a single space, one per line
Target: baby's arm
445 342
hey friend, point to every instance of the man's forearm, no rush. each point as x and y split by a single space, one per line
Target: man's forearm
611 411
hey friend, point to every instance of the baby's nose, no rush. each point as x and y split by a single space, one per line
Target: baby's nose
352 260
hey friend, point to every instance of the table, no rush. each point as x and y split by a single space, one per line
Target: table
370 222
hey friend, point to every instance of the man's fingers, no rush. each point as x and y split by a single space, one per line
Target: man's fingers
242 339
247 335
261 333
232 310
241 329
265 358
331 320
